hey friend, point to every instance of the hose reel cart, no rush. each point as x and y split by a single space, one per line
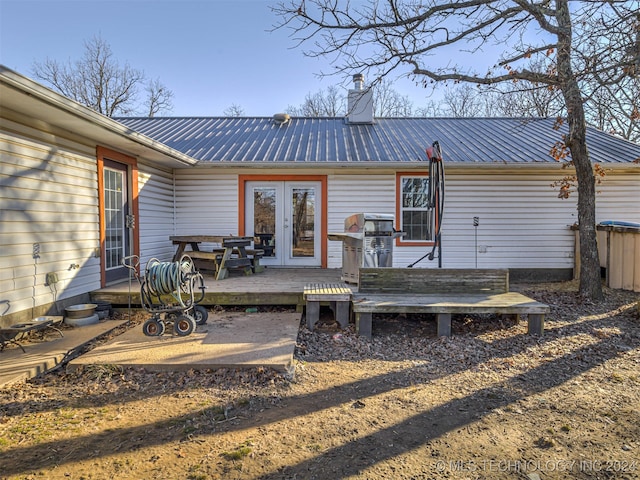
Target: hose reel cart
168 292
435 200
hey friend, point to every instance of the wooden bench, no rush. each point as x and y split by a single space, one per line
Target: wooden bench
442 292
213 260
209 260
255 254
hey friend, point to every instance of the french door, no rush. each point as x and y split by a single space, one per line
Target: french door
285 216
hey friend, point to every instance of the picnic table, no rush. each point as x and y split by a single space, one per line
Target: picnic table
194 241
232 253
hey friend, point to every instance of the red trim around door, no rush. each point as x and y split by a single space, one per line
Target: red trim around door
103 154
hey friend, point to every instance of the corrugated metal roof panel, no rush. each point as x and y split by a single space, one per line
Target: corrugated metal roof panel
319 140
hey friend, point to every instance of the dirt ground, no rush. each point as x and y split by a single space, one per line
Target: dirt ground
489 402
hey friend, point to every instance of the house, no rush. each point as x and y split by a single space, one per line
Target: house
68 179
80 191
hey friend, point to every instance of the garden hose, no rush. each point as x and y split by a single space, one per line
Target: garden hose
164 278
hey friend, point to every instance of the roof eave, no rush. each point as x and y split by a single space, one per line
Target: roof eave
484 167
61 112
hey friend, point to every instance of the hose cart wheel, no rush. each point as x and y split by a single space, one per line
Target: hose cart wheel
200 314
153 327
183 325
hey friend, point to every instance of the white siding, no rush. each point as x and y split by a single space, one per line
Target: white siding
349 194
523 223
206 202
618 198
155 204
48 196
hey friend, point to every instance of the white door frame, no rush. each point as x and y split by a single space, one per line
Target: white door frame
284 253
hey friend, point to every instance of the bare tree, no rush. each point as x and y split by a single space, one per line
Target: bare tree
464 101
387 102
430 109
159 98
522 98
589 41
616 111
510 100
611 108
323 103
98 81
233 110
517 100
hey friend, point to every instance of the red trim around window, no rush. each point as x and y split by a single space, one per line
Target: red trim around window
399 241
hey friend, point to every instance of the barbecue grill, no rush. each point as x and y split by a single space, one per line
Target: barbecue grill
367 241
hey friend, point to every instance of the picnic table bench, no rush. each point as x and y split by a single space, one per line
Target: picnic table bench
233 254
443 292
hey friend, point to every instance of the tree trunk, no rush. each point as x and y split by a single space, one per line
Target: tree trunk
590 279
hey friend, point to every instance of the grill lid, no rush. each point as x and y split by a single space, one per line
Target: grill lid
361 225
371 224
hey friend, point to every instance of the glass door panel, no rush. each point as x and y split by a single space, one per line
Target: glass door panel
116 229
303 222
264 219
114 217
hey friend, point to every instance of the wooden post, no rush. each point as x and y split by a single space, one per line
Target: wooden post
312 313
363 324
444 324
340 311
535 325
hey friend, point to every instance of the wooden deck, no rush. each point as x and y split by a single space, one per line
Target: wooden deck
273 286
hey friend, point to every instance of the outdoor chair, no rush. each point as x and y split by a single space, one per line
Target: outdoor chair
16 332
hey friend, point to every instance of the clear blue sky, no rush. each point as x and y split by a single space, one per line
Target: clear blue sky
211 54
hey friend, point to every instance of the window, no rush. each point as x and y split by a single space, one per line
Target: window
415 212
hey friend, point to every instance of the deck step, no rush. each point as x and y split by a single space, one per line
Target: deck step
327 291
338 295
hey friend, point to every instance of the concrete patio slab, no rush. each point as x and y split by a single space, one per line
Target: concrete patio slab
227 340
16 365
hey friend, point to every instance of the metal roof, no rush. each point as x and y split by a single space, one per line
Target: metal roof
332 140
